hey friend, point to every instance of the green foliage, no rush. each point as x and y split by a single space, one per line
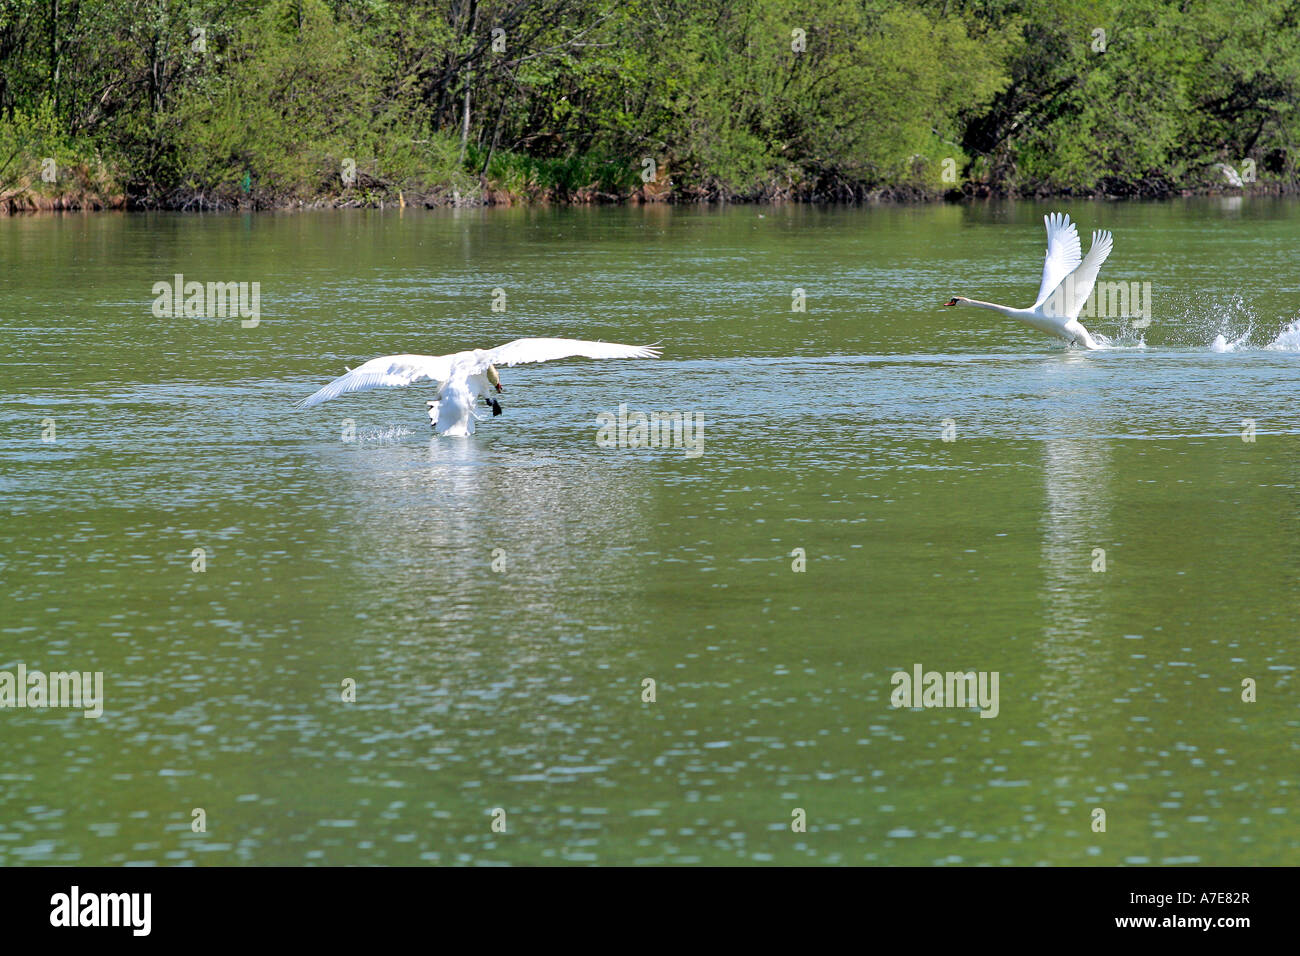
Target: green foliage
296 92
1174 88
183 102
581 177
36 142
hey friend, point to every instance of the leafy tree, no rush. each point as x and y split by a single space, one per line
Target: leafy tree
216 102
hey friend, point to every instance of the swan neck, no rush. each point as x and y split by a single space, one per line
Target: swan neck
994 307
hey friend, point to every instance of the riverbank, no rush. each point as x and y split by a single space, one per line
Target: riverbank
538 183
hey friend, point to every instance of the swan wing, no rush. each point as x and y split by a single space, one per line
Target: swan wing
1085 277
389 371
1063 255
523 351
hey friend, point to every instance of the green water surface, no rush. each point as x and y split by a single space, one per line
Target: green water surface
500 600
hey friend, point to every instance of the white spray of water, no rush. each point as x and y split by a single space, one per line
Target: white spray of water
1221 343
1231 322
1288 340
1228 324
1128 338
384 435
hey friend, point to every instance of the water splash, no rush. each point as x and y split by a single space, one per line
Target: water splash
1228 324
1288 340
1221 343
384 435
1224 324
1128 338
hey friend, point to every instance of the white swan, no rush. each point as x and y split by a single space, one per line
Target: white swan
1067 283
466 377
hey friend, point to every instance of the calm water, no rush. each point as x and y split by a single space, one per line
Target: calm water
521 688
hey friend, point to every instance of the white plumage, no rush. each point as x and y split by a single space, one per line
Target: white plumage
465 377
1068 280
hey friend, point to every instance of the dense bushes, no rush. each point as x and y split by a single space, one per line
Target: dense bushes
202 104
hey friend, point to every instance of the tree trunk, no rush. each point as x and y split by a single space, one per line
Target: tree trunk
54 53
464 122
496 136
471 21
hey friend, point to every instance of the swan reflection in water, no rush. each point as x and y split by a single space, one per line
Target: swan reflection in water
1076 523
460 540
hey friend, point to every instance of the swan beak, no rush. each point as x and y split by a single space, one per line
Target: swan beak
952 301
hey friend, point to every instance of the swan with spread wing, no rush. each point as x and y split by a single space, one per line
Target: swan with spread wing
1068 278
465 378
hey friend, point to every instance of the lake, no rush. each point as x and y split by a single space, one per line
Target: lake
879 484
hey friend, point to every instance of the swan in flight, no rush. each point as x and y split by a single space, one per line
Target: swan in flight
466 377
1067 282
